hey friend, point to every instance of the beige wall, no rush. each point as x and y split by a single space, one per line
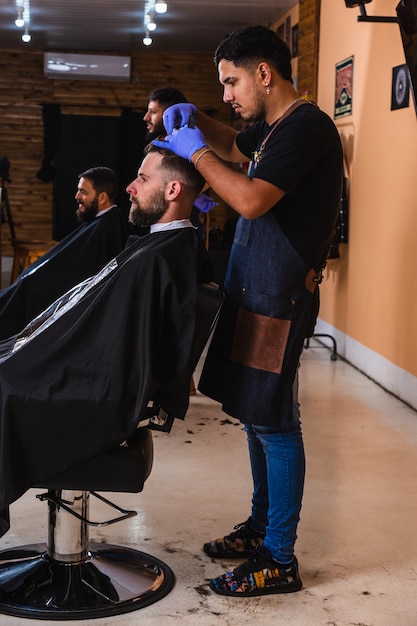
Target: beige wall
369 295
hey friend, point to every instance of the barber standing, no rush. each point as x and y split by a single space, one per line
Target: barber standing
288 207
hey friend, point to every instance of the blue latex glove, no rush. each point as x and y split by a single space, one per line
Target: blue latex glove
204 203
178 115
184 142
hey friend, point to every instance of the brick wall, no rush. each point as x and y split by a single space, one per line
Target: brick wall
308 48
23 90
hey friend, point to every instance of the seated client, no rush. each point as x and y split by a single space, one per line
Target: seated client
76 381
101 235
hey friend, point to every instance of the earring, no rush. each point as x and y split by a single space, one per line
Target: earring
267 89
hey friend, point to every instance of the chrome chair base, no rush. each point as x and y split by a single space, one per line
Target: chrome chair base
110 581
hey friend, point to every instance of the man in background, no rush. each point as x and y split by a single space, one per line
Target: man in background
101 235
158 101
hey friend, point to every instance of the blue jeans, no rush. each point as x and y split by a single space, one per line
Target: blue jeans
278 470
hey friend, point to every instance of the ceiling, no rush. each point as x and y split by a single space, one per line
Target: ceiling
117 25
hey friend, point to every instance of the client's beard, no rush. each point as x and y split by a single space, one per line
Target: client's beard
145 216
89 212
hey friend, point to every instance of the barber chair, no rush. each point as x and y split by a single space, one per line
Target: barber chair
71 578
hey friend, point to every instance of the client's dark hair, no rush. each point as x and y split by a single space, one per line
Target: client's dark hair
102 179
175 165
167 96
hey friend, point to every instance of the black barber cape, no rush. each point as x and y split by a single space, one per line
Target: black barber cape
81 384
79 255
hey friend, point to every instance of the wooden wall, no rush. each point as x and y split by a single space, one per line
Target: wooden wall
308 48
23 90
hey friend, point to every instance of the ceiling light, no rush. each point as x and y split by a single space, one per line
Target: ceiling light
26 36
20 22
147 40
160 6
23 16
149 22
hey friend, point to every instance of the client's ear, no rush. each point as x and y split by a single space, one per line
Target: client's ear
172 190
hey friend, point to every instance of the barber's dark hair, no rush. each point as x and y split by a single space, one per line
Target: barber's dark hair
250 46
102 179
167 96
175 165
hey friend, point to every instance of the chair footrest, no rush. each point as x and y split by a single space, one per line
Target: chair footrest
51 496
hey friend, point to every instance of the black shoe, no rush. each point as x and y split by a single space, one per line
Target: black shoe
258 576
239 544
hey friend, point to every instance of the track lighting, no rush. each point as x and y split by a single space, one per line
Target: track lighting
23 18
149 24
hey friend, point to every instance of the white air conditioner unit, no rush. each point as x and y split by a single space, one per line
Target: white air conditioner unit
86 66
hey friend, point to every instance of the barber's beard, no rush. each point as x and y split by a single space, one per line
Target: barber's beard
144 214
258 109
157 133
89 213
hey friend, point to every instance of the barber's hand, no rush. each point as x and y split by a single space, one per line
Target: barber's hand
178 115
185 141
204 203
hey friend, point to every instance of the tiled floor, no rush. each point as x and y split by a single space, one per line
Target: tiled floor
357 545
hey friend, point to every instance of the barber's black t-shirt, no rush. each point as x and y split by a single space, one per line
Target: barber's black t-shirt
303 157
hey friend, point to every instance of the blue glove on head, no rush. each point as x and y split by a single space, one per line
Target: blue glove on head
204 203
178 115
184 142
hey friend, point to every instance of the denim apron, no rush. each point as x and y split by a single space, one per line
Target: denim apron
270 307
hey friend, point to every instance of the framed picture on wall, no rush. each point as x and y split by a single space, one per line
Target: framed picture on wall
344 88
288 31
294 41
400 89
281 31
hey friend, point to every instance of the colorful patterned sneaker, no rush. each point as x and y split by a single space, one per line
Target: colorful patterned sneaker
258 576
241 543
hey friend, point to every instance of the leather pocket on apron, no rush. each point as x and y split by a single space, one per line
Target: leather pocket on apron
261 334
